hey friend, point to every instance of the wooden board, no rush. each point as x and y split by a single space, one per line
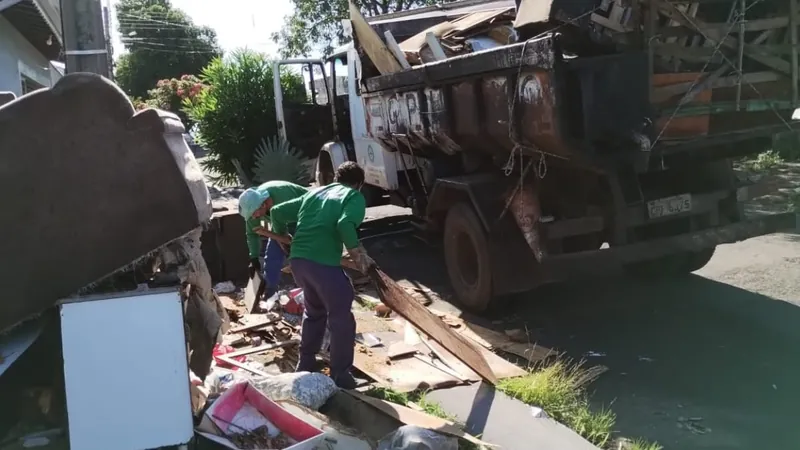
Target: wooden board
493 340
396 298
500 367
253 292
378 53
403 375
256 325
417 418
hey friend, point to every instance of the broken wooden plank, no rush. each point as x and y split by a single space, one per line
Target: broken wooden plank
255 326
403 375
674 14
403 304
233 362
254 292
396 50
261 349
493 340
376 50
420 419
435 47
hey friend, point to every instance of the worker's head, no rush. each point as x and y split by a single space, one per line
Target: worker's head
254 203
350 174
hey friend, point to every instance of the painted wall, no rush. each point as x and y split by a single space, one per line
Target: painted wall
18 56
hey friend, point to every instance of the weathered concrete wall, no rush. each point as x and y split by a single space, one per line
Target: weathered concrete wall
91 188
18 56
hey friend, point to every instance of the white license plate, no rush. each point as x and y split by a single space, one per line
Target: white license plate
669 206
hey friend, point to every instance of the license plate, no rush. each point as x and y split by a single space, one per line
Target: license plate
669 206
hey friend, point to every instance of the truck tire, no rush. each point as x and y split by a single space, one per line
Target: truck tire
466 253
672 265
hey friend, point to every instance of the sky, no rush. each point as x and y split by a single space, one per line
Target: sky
238 23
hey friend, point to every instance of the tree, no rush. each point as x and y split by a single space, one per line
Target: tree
317 24
237 111
162 43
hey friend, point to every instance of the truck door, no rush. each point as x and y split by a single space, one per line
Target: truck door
304 116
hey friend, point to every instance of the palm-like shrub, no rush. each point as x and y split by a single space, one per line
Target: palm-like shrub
276 159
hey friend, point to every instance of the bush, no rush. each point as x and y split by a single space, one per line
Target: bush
174 95
276 159
237 111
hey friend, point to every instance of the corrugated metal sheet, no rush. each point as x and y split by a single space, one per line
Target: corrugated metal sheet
33 24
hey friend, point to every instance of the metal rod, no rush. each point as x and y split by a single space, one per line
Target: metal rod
651 19
793 41
743 6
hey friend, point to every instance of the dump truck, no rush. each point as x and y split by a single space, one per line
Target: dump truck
542 158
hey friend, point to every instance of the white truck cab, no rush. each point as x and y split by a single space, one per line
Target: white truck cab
330 127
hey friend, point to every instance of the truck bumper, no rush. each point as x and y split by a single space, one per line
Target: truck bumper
557 265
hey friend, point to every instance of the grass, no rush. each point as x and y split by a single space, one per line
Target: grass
560 390
640 444
763 162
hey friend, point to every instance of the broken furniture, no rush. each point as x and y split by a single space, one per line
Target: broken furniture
102 188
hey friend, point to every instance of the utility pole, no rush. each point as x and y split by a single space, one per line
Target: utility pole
84 37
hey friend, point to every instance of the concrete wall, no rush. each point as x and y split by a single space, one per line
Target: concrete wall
18 56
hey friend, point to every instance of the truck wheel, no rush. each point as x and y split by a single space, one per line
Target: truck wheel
672 265
466 253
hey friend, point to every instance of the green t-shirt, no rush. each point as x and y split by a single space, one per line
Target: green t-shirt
327 218
279 192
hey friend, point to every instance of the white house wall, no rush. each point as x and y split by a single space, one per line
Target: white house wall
18 56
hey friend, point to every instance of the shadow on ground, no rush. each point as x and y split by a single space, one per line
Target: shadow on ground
684 349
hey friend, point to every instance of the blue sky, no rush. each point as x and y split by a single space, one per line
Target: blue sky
239 23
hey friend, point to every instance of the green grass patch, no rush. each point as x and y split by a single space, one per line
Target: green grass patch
640 444
764 162
560 390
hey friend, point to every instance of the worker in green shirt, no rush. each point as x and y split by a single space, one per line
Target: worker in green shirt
327 219
255 205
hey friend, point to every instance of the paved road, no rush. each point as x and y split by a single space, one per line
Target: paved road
720 345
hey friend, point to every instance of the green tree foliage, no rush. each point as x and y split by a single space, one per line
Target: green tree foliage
162 43
317 24
237 111
175 95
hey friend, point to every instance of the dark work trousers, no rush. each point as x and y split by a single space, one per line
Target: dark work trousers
328 295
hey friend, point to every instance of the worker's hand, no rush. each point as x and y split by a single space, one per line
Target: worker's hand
254 267
362 259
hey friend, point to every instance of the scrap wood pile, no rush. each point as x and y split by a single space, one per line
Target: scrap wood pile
706 59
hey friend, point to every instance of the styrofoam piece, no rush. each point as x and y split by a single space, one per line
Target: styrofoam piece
126 371
236 406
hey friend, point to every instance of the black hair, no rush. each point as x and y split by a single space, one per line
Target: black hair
350 174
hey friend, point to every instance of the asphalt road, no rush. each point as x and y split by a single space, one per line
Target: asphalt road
708 361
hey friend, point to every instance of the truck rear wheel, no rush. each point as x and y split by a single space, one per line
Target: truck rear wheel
672 265
466 252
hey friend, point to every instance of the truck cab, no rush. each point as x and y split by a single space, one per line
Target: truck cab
330 127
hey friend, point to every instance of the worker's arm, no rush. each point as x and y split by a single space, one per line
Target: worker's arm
281 215
253 239
353 212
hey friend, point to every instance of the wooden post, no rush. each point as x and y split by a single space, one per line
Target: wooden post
84 37
793 41
743 5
